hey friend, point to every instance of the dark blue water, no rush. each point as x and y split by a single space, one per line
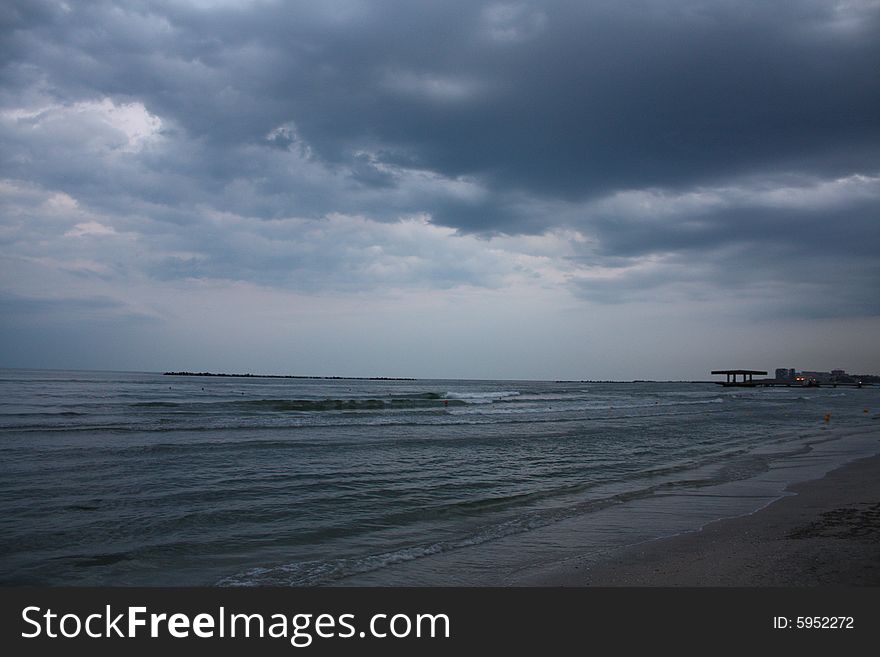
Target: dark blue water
144 479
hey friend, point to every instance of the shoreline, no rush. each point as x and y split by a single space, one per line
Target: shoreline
825 532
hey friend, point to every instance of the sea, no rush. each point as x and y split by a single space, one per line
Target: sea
145 479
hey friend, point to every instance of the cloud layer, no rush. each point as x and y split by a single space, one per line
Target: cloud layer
599 155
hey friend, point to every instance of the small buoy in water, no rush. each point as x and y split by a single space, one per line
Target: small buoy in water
828 417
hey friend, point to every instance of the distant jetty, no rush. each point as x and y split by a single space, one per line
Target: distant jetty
292 376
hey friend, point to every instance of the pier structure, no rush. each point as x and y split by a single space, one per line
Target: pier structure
746 377
800 382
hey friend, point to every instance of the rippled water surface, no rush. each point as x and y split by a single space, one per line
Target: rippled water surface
138 478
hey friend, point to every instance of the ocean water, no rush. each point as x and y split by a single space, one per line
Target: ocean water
145 479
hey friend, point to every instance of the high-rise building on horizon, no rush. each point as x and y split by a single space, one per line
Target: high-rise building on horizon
785 373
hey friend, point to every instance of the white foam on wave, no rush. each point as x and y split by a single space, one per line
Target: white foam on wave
536 407
312 573
317 572
482 397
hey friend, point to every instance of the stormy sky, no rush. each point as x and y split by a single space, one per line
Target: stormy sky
558 189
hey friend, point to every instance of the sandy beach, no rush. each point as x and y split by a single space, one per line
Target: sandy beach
827 533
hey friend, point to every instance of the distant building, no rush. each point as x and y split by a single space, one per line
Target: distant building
834 377
785 374
840 376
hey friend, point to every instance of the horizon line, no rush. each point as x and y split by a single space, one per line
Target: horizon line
346 377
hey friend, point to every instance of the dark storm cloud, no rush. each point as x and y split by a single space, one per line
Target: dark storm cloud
12 305
807 250
848 233
491 118
605 95
23 311
753 281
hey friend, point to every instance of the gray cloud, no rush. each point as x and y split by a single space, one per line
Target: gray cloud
626 152
603 96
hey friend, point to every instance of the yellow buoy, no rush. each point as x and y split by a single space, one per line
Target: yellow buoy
828 417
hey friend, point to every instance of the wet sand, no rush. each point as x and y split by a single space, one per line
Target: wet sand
826 534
